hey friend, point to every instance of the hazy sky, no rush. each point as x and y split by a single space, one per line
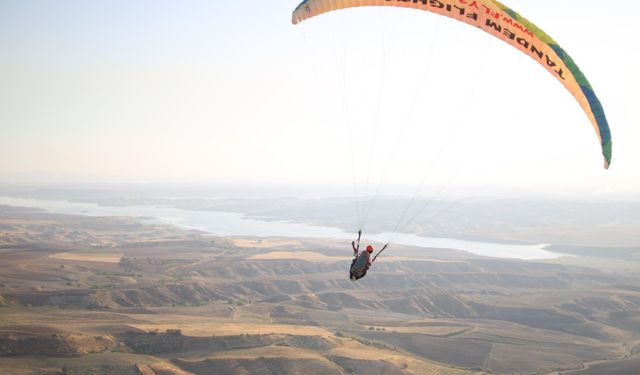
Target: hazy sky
212 91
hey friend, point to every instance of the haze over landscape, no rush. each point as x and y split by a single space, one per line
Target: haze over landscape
180 183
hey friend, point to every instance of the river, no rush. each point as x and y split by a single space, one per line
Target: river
236 224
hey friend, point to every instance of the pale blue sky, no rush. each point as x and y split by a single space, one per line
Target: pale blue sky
202 91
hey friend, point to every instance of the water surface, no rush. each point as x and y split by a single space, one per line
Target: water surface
227 224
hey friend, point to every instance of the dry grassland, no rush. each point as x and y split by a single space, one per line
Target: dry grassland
191 326
308 256
430 331
263 243
352 349
89 257
266 352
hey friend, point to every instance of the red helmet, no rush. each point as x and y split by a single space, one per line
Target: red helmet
370 248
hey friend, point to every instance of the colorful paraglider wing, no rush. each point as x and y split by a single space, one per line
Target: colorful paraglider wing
500 21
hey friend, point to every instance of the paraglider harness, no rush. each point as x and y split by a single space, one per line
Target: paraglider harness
356 273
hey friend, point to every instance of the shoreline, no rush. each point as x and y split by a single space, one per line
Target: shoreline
227 224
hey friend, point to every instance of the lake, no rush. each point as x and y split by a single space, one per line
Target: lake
227 224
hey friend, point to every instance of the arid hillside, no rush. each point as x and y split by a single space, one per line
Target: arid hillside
83 295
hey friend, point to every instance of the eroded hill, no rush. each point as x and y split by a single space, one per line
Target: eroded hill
116 296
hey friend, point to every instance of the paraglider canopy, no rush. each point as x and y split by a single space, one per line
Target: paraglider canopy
502 22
